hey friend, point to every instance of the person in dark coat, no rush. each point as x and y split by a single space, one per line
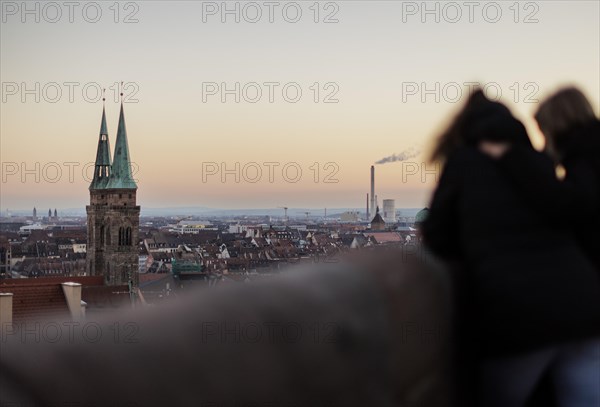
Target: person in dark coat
533 296
572 133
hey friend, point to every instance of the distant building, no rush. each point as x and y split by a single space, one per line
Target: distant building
389 210
113 217
377 223
349 217
27 229
75 246
193 227
142 259
5 257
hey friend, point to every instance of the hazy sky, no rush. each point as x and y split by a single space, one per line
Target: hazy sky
373 59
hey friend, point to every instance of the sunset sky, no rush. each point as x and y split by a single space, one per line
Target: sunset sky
369 58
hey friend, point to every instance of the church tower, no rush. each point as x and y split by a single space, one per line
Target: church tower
113 217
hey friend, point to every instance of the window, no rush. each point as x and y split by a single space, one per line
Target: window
125 237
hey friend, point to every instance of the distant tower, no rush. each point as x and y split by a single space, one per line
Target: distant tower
49 214
377 223
389 210
55 214
34 213
113 217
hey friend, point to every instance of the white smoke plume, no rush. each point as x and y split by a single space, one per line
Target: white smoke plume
405 155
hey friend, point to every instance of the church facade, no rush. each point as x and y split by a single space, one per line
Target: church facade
113 215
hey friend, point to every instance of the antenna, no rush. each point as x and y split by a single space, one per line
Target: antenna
121 91
103 96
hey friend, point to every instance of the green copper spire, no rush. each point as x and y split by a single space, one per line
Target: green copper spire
102 167
120 176
103 129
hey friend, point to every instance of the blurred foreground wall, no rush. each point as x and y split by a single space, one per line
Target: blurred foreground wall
373 331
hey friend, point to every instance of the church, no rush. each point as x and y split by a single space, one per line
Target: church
113 216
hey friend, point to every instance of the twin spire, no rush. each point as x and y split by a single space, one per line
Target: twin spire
115 174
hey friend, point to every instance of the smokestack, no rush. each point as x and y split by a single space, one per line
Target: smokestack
367 207
373 189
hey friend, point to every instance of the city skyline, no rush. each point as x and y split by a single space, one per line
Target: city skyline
388 95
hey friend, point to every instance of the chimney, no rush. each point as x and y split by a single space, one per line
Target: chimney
83 308
372 188
367 207
72 292
6 309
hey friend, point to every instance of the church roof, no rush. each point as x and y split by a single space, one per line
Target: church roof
377 218
103 161
121 176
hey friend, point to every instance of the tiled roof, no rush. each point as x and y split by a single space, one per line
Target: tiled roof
377 219
35 299
385 237
106 297
37 302
83 280
147 278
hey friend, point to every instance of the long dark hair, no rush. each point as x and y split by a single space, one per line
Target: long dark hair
480 119
560 116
